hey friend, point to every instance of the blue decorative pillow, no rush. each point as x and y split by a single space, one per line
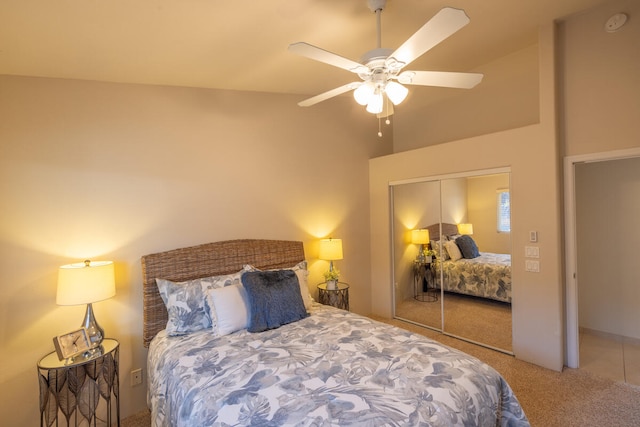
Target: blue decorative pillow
468 247
274 299
303 279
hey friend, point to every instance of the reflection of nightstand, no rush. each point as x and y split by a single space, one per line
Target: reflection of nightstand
338 297
423 286
80 392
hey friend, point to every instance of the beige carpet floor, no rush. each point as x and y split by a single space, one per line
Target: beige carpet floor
572 398
478 319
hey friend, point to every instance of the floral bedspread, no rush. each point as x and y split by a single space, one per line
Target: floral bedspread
333 368
487 276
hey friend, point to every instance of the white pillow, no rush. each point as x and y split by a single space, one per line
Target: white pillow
303 279
229 306
453 250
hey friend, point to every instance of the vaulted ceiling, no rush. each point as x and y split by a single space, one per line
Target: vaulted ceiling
242 44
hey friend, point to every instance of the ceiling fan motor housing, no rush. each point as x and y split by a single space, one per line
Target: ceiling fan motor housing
376 5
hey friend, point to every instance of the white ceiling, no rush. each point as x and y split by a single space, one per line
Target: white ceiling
242 44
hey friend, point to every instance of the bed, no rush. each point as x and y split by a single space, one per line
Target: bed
486 276
330 367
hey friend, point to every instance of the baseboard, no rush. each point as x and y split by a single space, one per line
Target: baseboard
609 335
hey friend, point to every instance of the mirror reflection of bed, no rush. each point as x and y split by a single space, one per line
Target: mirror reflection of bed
474 292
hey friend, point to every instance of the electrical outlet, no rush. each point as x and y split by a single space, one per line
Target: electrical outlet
136 377
532 252
532 266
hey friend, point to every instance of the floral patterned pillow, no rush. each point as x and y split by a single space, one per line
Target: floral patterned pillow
436 246
185 301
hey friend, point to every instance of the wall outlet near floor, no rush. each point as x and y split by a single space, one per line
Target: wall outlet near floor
136 377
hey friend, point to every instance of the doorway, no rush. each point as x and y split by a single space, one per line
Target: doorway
595 234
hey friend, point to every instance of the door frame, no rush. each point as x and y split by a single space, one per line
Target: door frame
572 352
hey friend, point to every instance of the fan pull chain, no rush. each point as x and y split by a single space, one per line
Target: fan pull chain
388 121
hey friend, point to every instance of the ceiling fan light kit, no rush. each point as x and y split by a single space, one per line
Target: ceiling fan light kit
396 92
380 69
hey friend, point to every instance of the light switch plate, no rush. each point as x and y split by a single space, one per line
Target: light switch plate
532 266
533 236
532 252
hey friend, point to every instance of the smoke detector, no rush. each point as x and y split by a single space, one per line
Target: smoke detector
616 22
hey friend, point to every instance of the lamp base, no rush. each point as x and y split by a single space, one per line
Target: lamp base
95 332
422 257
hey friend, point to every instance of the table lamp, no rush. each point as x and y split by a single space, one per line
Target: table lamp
330 250
465 229
85 283
420 237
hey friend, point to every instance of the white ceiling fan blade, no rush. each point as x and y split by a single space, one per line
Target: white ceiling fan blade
442 25
318 54
441 78
329 94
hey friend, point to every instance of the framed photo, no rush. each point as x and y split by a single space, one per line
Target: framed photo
72 343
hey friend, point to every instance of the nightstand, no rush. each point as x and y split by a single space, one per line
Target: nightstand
423 286
83 392
338 297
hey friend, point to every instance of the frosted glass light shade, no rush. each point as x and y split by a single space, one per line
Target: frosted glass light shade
85 282
363 93
420 236
396 92
330 249
465 228
375 103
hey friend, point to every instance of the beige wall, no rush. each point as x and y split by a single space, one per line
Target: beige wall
114 171
599 97
537 297
599 81
599 109
483 213
506 98
414 206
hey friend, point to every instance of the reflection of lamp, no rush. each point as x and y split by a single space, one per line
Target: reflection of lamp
420 237
465 228
85 283
330 250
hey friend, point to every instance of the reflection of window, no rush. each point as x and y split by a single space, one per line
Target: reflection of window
504 211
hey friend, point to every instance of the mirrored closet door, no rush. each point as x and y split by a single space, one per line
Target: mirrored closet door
460 287
417 298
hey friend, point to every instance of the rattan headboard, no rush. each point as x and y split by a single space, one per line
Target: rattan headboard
210 259
447 230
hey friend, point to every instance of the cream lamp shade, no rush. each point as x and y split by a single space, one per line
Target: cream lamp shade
420 236
330 249
85 282
465 228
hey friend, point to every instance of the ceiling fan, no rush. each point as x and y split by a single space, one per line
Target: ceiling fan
380 69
